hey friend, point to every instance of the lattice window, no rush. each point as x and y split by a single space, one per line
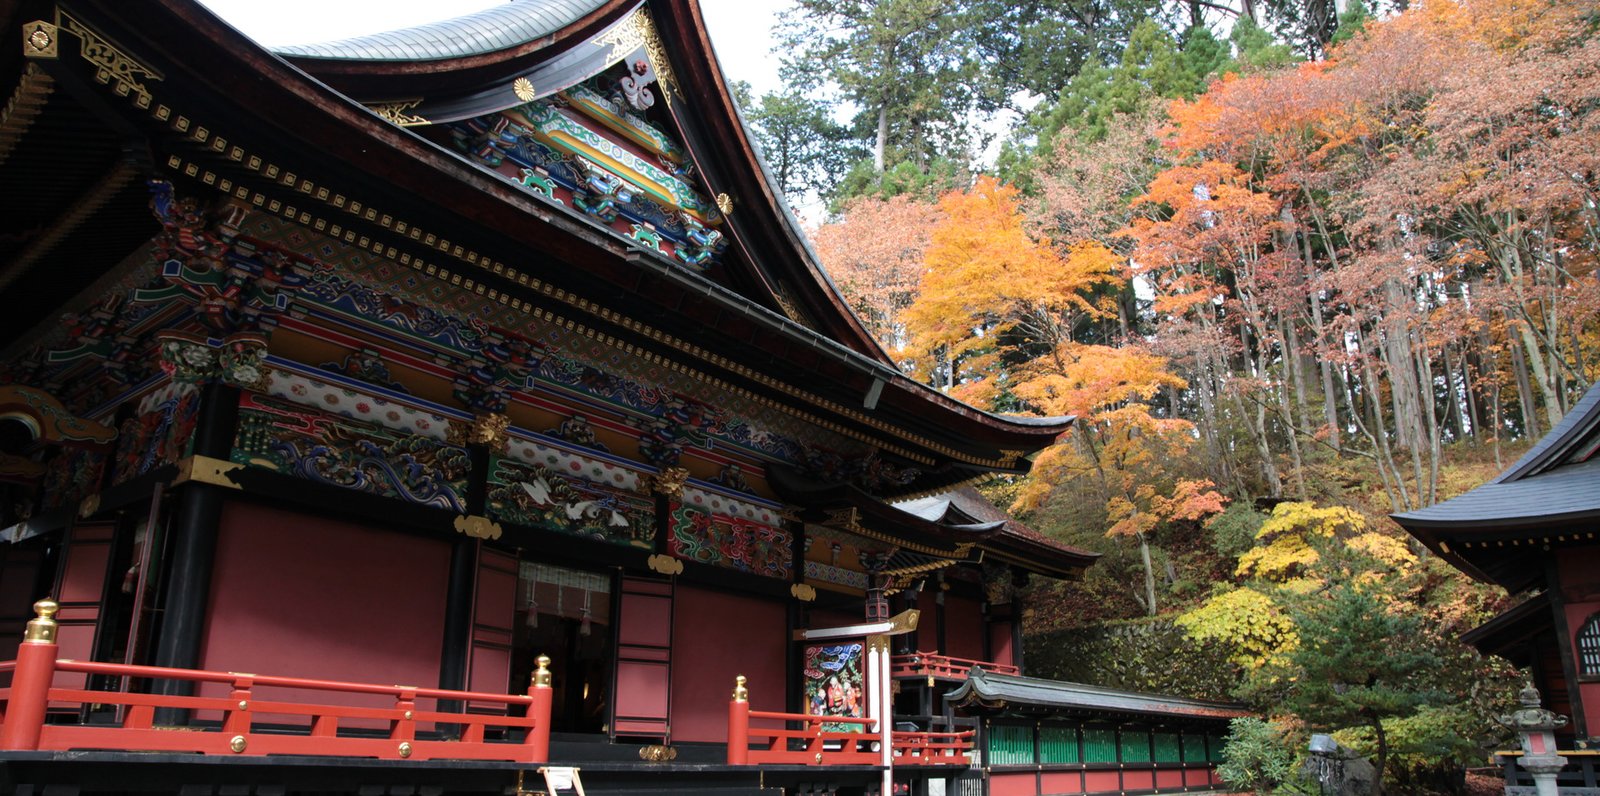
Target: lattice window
1010 745
1589 647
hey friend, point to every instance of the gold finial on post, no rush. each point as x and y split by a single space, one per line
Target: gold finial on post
42 628
541 676
740 693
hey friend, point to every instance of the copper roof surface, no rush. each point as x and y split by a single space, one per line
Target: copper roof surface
490 30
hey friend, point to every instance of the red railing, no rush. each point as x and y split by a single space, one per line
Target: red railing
817 745
933 748
943 667
296 727
818 742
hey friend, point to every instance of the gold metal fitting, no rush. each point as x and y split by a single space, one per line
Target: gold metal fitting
243 705
408 715
740 693
541 676
405 748
237 744
42 628
658 753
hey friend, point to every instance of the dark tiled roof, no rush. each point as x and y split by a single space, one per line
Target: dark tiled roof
1578 426
1566 492
987 688
972 506
486 31
1550 483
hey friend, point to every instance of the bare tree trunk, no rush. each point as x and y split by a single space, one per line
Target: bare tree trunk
1149 576
1454 411
1530 420
882 144
1429 495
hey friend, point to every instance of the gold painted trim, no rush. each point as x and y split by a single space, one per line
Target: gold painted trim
40 39
395 112
523 88
115 68
657 753
803 592
41 629
89 506
206 470
664 564
669 481
478 527
640 31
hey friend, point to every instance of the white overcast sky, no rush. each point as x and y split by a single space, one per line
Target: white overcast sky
741 30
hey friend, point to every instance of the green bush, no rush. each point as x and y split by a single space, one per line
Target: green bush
1256 756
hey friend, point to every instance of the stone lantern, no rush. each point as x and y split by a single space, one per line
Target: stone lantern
1537 726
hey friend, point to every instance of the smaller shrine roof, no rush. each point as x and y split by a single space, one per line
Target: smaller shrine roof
995 691
486 31
1502 530
1015 539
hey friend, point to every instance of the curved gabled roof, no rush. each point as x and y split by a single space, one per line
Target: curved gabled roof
985 689
292 117
1555 480
479 33
1551 493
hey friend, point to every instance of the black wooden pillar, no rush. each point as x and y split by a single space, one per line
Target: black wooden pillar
463 578
192 546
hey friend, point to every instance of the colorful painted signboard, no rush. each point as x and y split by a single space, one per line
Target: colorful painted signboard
835 682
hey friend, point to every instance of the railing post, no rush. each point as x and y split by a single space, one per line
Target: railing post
30 682
739 724
539 690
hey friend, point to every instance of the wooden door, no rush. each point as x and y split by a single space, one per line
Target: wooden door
80 587
644 660
493 615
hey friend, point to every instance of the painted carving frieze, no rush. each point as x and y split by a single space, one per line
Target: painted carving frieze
328 449
412 319
870 472
70 476
542 497
578 431
159 433
732 542
238 359
591 148
732 477
235 285
495 372
337 396
492 359
367 366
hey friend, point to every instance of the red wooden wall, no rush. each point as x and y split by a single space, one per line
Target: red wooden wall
306 596
717 636
964 630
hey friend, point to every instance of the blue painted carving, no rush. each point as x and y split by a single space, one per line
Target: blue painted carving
327 449
536 496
